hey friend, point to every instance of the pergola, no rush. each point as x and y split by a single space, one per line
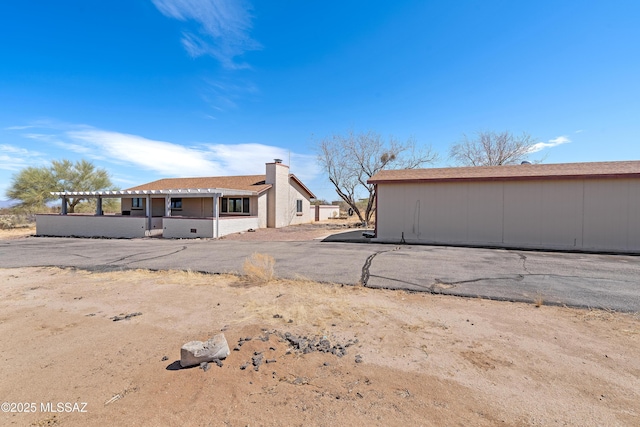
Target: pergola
214 193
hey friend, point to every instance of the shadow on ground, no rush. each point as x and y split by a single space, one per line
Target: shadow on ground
355 236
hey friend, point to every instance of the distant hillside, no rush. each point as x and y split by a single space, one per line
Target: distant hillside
6 203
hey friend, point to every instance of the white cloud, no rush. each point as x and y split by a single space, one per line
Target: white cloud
19 127
223 31
144 159
6 148
175 160
249 159
551 143
160 156
15 158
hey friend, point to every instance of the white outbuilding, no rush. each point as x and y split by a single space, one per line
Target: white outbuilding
571 206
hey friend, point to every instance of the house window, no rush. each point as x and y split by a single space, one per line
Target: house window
299 206
136 203
237 205
176 203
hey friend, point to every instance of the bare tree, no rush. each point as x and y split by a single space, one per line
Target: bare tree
350 160
490 148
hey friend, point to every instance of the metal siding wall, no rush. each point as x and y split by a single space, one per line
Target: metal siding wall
606 214
561 214
415 224
522 213
391 211
633 226
602 215
450 209
485 213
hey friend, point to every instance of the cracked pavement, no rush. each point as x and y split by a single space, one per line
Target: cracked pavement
572 279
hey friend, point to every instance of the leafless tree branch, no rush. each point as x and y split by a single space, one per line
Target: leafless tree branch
490 148
350 160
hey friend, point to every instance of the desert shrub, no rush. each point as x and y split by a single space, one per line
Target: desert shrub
259 268
8 222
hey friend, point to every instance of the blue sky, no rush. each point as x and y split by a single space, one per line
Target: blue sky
158 88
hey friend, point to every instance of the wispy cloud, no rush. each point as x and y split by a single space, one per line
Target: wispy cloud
249 159
19 127
223 28
147 159
551 143
223 94
159 156
15 158
176 160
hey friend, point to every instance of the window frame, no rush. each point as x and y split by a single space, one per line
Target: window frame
137 206
175 204
244 203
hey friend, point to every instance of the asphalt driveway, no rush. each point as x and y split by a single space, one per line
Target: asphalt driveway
572 279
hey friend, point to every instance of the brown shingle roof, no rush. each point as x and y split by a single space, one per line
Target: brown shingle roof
513 172
245 182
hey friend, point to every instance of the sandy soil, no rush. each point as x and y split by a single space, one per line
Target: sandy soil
17 233
423 359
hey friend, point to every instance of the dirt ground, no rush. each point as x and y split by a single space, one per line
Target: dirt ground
410 359
17 233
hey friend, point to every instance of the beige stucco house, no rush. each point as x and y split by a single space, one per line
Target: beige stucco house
191 207
571 206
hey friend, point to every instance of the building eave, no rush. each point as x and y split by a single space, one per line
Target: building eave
183 192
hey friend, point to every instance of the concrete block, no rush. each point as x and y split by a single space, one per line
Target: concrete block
195 352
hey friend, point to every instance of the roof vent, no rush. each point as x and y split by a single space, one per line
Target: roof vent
277 160
525 162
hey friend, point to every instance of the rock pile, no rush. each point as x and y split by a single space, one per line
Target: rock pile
215 349
316 343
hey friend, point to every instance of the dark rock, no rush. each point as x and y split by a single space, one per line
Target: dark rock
256 360
125 317
324 346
